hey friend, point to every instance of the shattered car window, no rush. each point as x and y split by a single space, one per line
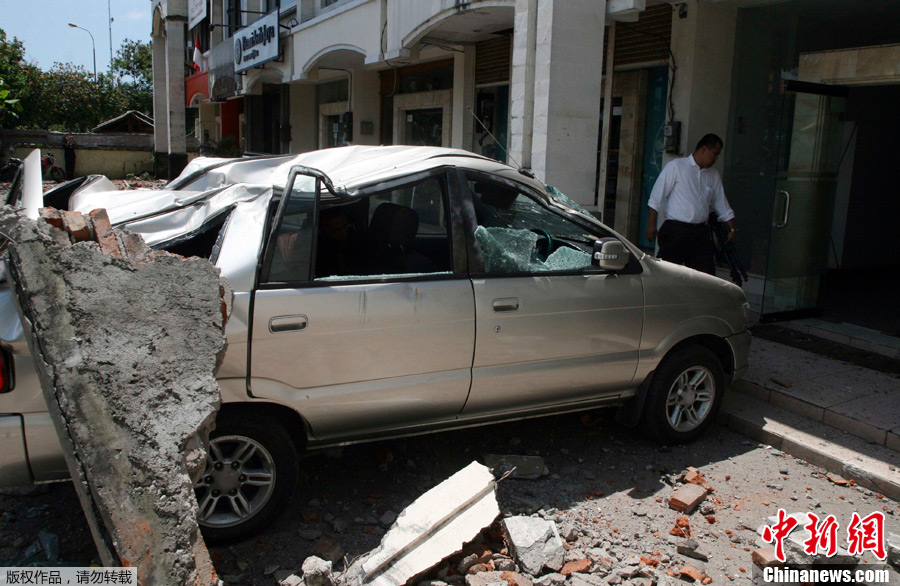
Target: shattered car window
292 256
516 234
566 200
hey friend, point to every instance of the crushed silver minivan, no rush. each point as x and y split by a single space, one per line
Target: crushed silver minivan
387 291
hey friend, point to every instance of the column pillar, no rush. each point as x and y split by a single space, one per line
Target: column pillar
160 100
567 95
366 107
521 86
175 55
463 99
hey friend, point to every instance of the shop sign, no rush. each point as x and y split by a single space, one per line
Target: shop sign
257 43
196 12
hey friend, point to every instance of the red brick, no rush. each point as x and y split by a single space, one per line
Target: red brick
576 566
691 574
687 498
52 216
76 227
103 231
765 557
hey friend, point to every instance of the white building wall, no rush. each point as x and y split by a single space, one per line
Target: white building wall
703 45
366 106
303 117
354 26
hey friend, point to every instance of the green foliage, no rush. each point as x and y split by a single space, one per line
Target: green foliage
133 65
66 97
15 79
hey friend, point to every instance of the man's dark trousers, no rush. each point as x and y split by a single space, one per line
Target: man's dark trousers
687 244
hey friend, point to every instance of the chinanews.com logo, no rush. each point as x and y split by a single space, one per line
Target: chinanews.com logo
863 534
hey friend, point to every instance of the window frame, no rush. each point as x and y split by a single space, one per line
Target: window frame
476 263
451 205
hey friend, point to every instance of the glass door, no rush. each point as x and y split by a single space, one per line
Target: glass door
805 184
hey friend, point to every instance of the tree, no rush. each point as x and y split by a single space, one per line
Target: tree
134 62
15 78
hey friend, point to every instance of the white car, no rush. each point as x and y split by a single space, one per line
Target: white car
388 291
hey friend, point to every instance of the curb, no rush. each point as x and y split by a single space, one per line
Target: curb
822 445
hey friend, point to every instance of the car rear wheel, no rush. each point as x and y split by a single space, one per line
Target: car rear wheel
685 395
250 474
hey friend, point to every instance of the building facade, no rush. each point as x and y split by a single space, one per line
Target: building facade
595 96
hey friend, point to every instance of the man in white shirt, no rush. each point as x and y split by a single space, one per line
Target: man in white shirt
686 192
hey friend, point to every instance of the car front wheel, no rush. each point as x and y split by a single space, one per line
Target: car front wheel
250 474
685 395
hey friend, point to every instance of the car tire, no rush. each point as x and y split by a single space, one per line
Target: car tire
250 475
684 395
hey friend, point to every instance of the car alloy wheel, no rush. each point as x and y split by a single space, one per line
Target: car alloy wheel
690 398
238 481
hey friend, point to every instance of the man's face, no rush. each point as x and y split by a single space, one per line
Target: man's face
706 157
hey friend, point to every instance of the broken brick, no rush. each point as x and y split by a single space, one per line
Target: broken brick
77 228
52 216
687 498
682 528
707 580
576 566
691 574
765 557
104 234
836 479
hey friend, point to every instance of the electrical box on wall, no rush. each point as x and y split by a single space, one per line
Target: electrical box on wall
672 135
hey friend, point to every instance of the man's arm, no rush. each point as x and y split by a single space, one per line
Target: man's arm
651 225
660 192
723 210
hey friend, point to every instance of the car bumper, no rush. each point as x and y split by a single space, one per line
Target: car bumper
740 352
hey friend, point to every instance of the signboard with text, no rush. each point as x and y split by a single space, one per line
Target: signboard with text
196 12
256 44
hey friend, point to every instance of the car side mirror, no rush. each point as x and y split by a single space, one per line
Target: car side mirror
609 254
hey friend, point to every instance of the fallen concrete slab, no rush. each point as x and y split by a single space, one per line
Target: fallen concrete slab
535 544
434 526
126 342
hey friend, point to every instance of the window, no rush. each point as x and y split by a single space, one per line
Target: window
399 231
293 241
517 234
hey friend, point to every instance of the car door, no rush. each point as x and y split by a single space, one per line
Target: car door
353 325
551 329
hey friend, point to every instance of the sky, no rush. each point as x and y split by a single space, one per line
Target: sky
42 25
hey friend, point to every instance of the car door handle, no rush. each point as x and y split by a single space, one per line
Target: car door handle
287 323
506 304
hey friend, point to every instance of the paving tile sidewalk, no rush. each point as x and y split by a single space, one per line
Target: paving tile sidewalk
857 400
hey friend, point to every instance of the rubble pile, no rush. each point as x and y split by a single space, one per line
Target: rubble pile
126 342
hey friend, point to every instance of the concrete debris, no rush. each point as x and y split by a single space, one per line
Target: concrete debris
522 467
689 547
535 544
433 527
328 549
497 579
126 342
893 547
317 572
552 579
292 580
687 498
